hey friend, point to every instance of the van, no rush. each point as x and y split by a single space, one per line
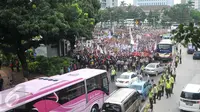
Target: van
190 48
190 96
123 100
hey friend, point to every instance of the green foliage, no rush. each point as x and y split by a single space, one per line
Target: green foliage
121 13
179 13
195 14
22 21
48 66
188 34
33 66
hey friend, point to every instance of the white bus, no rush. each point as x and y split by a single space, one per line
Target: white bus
165 50
82 90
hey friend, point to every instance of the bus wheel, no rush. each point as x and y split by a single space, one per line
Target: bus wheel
95 108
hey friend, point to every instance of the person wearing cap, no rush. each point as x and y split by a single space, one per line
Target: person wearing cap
1 83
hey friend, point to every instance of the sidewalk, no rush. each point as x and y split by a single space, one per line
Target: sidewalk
6 74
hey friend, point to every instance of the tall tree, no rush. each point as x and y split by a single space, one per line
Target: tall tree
27 20
123 3
180 13
188 34
195 14
49 19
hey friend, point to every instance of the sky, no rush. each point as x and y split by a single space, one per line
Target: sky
131 1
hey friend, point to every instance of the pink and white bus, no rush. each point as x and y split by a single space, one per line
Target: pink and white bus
83 90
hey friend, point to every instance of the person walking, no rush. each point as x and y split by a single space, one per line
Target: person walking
151 98
171 79
113 73
174 75
1 83
167 88
159 91
142 69
180 59
176 61
17 65
155 92
162 85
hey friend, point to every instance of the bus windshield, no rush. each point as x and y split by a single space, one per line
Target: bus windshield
164 46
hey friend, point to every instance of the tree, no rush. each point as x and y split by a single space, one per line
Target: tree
150 17
179 13
195 14
188 34
83 22
26 21
49 19
140 14
123 3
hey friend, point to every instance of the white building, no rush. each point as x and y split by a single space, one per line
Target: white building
108 3
153 2
196 3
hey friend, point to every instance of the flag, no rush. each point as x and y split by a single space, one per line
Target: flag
131 37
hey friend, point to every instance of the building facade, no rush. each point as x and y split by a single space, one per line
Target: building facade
196 3
108 3
183 1
153 2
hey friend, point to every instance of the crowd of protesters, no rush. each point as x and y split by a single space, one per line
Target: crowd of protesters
115 52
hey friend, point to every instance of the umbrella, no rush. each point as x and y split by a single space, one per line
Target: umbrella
136 54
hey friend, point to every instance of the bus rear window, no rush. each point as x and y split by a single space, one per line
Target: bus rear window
108 107
190 96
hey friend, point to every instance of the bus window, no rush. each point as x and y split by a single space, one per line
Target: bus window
71 92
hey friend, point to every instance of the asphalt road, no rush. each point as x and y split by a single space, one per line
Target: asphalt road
185 73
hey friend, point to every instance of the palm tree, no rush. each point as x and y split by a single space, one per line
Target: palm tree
123 3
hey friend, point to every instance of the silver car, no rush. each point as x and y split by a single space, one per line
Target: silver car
153 69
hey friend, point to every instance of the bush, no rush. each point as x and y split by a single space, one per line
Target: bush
49 66
33 66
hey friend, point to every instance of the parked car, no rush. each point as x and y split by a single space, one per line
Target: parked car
153 69
125 79
190 48
143 87
196 55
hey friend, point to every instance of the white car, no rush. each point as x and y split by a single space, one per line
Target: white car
153 69
126 78
190 98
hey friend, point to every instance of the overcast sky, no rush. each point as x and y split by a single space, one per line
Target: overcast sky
131 1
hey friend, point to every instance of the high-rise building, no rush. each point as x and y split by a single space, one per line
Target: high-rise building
183 1
108 3
153 2
196 3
